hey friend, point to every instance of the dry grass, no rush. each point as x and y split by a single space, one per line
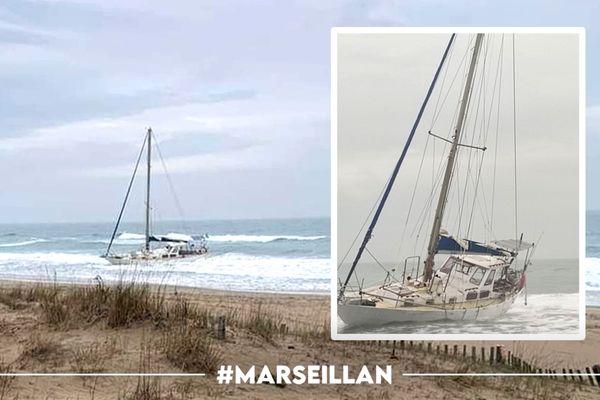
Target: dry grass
38 349
11 299
6 381
118 305
91 358
190 349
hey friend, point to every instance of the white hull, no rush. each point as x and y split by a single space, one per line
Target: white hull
359 315
128 260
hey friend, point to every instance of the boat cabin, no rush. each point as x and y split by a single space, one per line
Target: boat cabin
470 277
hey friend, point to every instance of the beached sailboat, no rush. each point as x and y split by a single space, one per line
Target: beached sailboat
169 246
479 280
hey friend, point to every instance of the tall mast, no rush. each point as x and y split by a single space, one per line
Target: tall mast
441 206
396 169
147 239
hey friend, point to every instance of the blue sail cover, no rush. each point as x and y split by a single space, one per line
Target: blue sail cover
448 244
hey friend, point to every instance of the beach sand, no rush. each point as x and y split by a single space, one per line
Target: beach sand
261 329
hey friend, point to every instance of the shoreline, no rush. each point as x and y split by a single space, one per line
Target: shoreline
65 283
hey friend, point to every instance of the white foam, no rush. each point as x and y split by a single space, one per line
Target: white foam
25 243
592 273
260 238
231 271
131 236
53 258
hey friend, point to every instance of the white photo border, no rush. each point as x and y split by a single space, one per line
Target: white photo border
580 31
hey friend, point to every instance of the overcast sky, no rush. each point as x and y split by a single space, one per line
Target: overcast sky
382 81
237 93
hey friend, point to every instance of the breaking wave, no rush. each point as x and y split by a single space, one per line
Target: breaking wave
260 238
24 243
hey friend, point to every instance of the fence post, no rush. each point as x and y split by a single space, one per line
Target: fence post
590 376
483 354
492 358
445 349
221 327
474 353
394 357
455 349
596 369
580 376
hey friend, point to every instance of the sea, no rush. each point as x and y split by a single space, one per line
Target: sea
592 250
268 255
549 305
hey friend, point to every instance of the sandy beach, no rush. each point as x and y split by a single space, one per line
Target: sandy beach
61 328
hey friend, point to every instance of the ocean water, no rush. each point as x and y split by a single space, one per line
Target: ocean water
550 305
592 250
278 255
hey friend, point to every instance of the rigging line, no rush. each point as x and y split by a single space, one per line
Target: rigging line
500 65
470 154
482 138
412 199
454 119
483 208
486 127
397 167
422 218
446 69
454 78
436 177
171 186
381 265
515 134
112 238
364 223
454 172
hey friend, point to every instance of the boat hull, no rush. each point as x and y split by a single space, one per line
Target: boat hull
363 315
125 260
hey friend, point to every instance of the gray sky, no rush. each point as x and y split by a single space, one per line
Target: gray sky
382 82
237 92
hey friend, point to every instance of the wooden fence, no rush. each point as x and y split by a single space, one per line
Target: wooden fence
498 356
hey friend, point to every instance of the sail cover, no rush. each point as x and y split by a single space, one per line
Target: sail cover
172 237
449 244
513 245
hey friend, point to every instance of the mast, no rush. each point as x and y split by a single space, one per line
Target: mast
441 206
396 169
147 238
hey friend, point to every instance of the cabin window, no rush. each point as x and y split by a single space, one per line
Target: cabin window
447 266
490 277
477 276
471 295
465 269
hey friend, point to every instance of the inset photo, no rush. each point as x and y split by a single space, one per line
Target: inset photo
458 190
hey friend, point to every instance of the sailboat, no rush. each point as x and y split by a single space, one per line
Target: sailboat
478 280
170 246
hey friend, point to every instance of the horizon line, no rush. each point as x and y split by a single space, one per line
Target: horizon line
165 220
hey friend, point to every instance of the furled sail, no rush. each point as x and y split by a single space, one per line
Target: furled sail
172 237
449 244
